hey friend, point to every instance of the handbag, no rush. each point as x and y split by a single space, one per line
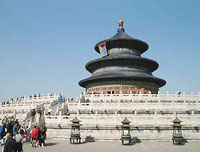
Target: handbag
24 139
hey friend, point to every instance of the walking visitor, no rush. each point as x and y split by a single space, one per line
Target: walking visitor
41 137
34 136
10 144
19 141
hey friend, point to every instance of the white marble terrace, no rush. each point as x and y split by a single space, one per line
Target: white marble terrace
138 101
108 110
21 106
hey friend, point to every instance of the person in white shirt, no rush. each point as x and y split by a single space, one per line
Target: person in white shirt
49 111
19 140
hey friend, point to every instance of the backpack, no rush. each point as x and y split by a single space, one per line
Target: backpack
3 141
1 130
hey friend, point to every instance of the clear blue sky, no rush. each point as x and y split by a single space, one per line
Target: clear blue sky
45 44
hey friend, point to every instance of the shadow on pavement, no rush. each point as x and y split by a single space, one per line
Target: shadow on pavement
134 140
88 139
50 144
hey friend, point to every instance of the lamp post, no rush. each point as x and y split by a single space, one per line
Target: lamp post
75 137
177 137
125 136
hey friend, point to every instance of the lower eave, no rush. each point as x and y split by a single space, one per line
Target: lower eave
96 79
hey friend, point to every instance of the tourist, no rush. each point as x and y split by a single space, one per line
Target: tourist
26 136
49 111
33 112
28 125
15 128
9 146
28 130
37 116
3 141
42 108
16 121
45 132
12 121
1 131
23 126
67 112
19 141
8 127
39 111
34 136
4 120
41 137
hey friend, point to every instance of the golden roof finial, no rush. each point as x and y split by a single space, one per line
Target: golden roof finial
121 22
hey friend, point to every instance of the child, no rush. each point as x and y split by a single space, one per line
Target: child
34 136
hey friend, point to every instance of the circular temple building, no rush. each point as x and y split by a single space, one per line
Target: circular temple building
121 69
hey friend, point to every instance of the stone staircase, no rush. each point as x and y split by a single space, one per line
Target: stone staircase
58 107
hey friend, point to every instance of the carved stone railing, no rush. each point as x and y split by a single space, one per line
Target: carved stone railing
47 99
149 97
113 120
137 101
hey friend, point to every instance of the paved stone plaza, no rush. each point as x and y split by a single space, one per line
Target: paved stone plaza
115 146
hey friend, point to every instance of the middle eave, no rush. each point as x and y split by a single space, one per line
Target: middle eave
123 59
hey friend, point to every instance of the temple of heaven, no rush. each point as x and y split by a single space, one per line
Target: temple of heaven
121 69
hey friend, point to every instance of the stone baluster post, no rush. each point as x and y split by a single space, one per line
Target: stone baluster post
118 104
79 106
146 105
60 118
136 118
160 104
14 114
173 104
193 119
140 93
175 114
116 119
159 98
105 104
77 113
91 105
120 94
96 117
57 109
155 118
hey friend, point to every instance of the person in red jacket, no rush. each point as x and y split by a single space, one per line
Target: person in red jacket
34 136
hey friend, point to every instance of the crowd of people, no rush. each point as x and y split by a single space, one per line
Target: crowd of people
13 135
38 112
